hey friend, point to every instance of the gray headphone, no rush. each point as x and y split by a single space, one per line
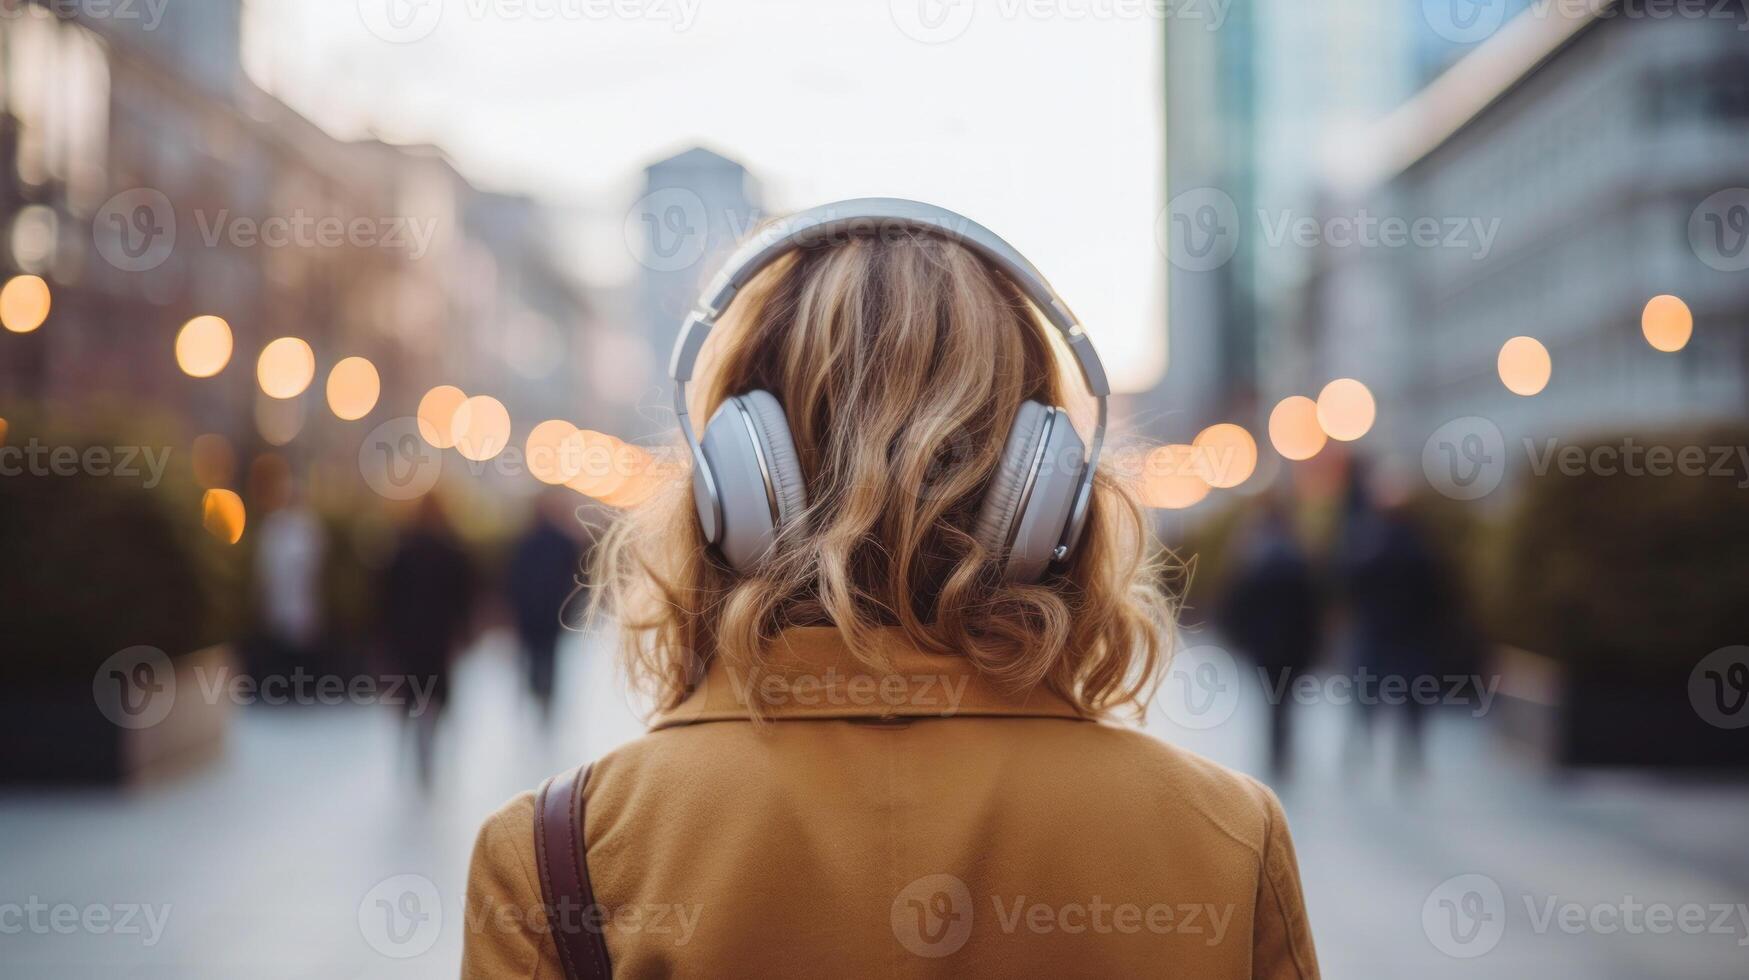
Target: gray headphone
747 482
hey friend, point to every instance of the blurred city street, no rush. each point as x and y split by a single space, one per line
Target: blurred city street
265 858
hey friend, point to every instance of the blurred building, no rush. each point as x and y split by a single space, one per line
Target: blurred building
1252 109
153 182
696 207
1603 147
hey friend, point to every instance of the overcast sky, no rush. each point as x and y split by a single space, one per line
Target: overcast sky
1040 118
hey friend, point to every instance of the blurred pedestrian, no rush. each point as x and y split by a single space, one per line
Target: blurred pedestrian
1272 613
427 600
1399 612
288 573
546 565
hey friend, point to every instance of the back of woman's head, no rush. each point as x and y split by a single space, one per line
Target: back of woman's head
900 363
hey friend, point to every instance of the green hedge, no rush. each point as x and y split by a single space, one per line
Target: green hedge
95 564
1627 572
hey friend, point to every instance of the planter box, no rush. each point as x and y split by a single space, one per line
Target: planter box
57 733
1582 719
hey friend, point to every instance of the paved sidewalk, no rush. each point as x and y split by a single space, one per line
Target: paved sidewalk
272 861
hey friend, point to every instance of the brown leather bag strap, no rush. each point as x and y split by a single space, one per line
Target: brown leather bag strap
575 919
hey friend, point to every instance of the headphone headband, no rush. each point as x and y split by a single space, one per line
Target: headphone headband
874 217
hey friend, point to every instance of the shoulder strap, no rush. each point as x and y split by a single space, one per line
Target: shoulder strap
575 919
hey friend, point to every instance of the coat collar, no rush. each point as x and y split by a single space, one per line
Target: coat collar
809 673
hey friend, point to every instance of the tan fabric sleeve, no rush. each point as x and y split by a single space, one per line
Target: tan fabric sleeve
1282 938
506 928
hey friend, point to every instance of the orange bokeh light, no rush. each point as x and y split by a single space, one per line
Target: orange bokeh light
437 415
1226 454
544 451
353 388
1667 323
223 515
1524 366
1294 429
1346 410
286 368
24 303
203 346
481 427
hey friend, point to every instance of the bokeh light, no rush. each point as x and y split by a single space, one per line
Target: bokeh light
544 450
1294 429
1226 454
481 427
1667 323
1346 410
353 388
437 415
1172 477
286 368
600 472
203 346
223 515
24 303
213 460
1524 365
647 476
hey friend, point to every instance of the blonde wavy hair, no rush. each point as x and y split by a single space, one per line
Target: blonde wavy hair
901 363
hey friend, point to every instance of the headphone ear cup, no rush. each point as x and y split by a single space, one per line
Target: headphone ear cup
753 461
1032 494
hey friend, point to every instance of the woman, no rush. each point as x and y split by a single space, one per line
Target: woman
876 751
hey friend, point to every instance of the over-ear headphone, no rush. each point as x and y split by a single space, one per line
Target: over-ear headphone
747 481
